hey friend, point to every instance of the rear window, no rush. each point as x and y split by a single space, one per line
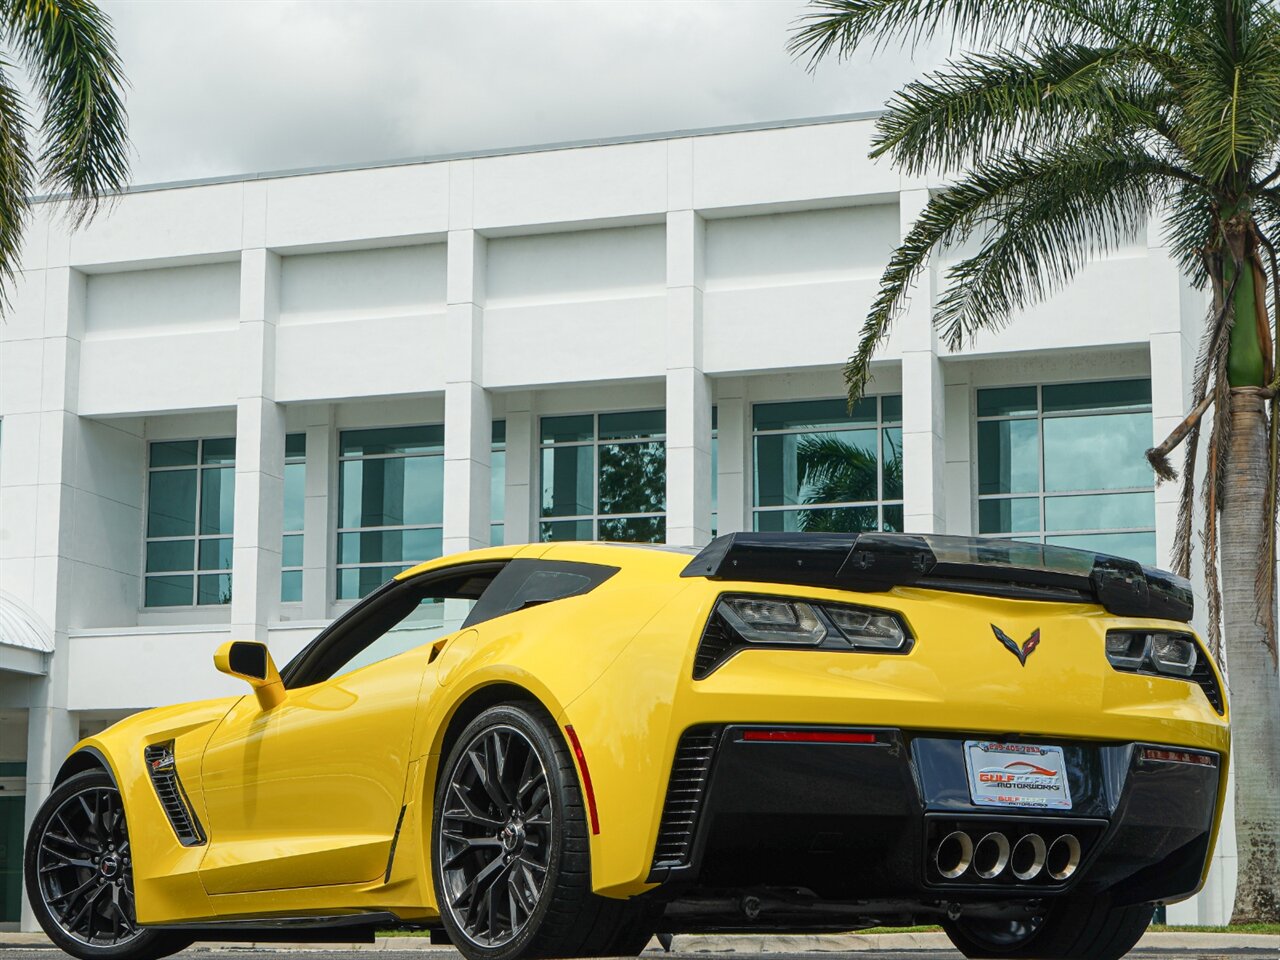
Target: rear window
529 583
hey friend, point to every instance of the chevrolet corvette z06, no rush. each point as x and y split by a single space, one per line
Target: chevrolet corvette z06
560 750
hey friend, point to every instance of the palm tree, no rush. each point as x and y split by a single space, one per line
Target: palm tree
70 58
834 471
1074 124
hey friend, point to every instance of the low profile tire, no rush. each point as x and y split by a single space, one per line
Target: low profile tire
1069 930
79 875
510 858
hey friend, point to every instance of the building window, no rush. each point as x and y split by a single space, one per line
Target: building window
715 472
295 499
819 467
604 477
190 511
390 504
1064 464
498 484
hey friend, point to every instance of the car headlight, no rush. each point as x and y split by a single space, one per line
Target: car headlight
1168 654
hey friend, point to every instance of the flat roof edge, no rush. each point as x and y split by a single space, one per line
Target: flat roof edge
484 153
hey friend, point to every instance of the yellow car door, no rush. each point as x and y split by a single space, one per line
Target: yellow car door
308 792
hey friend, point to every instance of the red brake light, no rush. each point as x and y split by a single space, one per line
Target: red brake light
808 736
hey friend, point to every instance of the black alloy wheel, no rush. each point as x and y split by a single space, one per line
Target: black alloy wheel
510 847
495 836
79 874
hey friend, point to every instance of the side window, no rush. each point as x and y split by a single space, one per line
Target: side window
527 583
394 619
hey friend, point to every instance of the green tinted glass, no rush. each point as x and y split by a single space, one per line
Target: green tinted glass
1096 395
497 486
633 478
497 535
222 450
565 530
831 520
1135 546
168 591
1105 452
568 429
170 555
356 582
1014 515
295 446
808 414
217 500
212 590
387 546
292 555
215 554
891 444
295 500
1008 458
499 432
171 503
291 586
633 529
174 453
640 424
390 492
893 518
1006 401
392 440
568 487
1102 512
829 467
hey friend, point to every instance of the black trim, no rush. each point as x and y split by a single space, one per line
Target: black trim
531 582
686 789
395 838
875 562
341 928
163 769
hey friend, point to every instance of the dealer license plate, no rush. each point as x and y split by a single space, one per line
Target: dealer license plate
1017 775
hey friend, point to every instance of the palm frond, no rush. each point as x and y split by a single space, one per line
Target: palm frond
17 175
67 48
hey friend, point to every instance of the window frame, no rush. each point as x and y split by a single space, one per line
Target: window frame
196 537
878 426
302 533
1042 534
339 530
595 443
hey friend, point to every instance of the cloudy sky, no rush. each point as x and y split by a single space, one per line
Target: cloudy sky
228 87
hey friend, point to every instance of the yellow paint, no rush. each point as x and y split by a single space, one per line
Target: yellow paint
301 800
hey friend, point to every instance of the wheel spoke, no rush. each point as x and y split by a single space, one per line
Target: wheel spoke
471 813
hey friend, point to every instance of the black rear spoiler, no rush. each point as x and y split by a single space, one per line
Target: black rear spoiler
872 562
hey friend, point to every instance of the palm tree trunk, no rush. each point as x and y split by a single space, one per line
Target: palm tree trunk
1254 685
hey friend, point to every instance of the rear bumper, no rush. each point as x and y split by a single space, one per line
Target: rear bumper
857 820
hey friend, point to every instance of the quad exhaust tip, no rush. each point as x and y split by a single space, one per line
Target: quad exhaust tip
1063 857
954 854
1028 857
991 856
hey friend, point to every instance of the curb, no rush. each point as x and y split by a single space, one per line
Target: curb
1262 944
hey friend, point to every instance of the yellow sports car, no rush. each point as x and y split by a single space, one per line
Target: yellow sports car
559 750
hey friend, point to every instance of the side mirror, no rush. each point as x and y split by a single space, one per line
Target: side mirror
251 662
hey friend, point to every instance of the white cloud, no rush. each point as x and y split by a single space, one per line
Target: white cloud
234 87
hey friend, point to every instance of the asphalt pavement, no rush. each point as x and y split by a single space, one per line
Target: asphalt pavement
26 952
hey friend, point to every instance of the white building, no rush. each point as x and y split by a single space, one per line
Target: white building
228 408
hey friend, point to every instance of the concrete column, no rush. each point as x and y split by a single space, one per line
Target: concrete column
733 440
467 416
521 498
923 451
688 388
959 476
259 503
320 500
52 730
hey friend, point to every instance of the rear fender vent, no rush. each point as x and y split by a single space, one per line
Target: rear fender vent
685 794
163 769
1204 676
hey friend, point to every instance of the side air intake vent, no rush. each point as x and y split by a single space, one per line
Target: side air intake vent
685 793
164 777
1203 675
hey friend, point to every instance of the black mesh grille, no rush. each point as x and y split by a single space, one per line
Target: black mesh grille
164 777
719 642
685 793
